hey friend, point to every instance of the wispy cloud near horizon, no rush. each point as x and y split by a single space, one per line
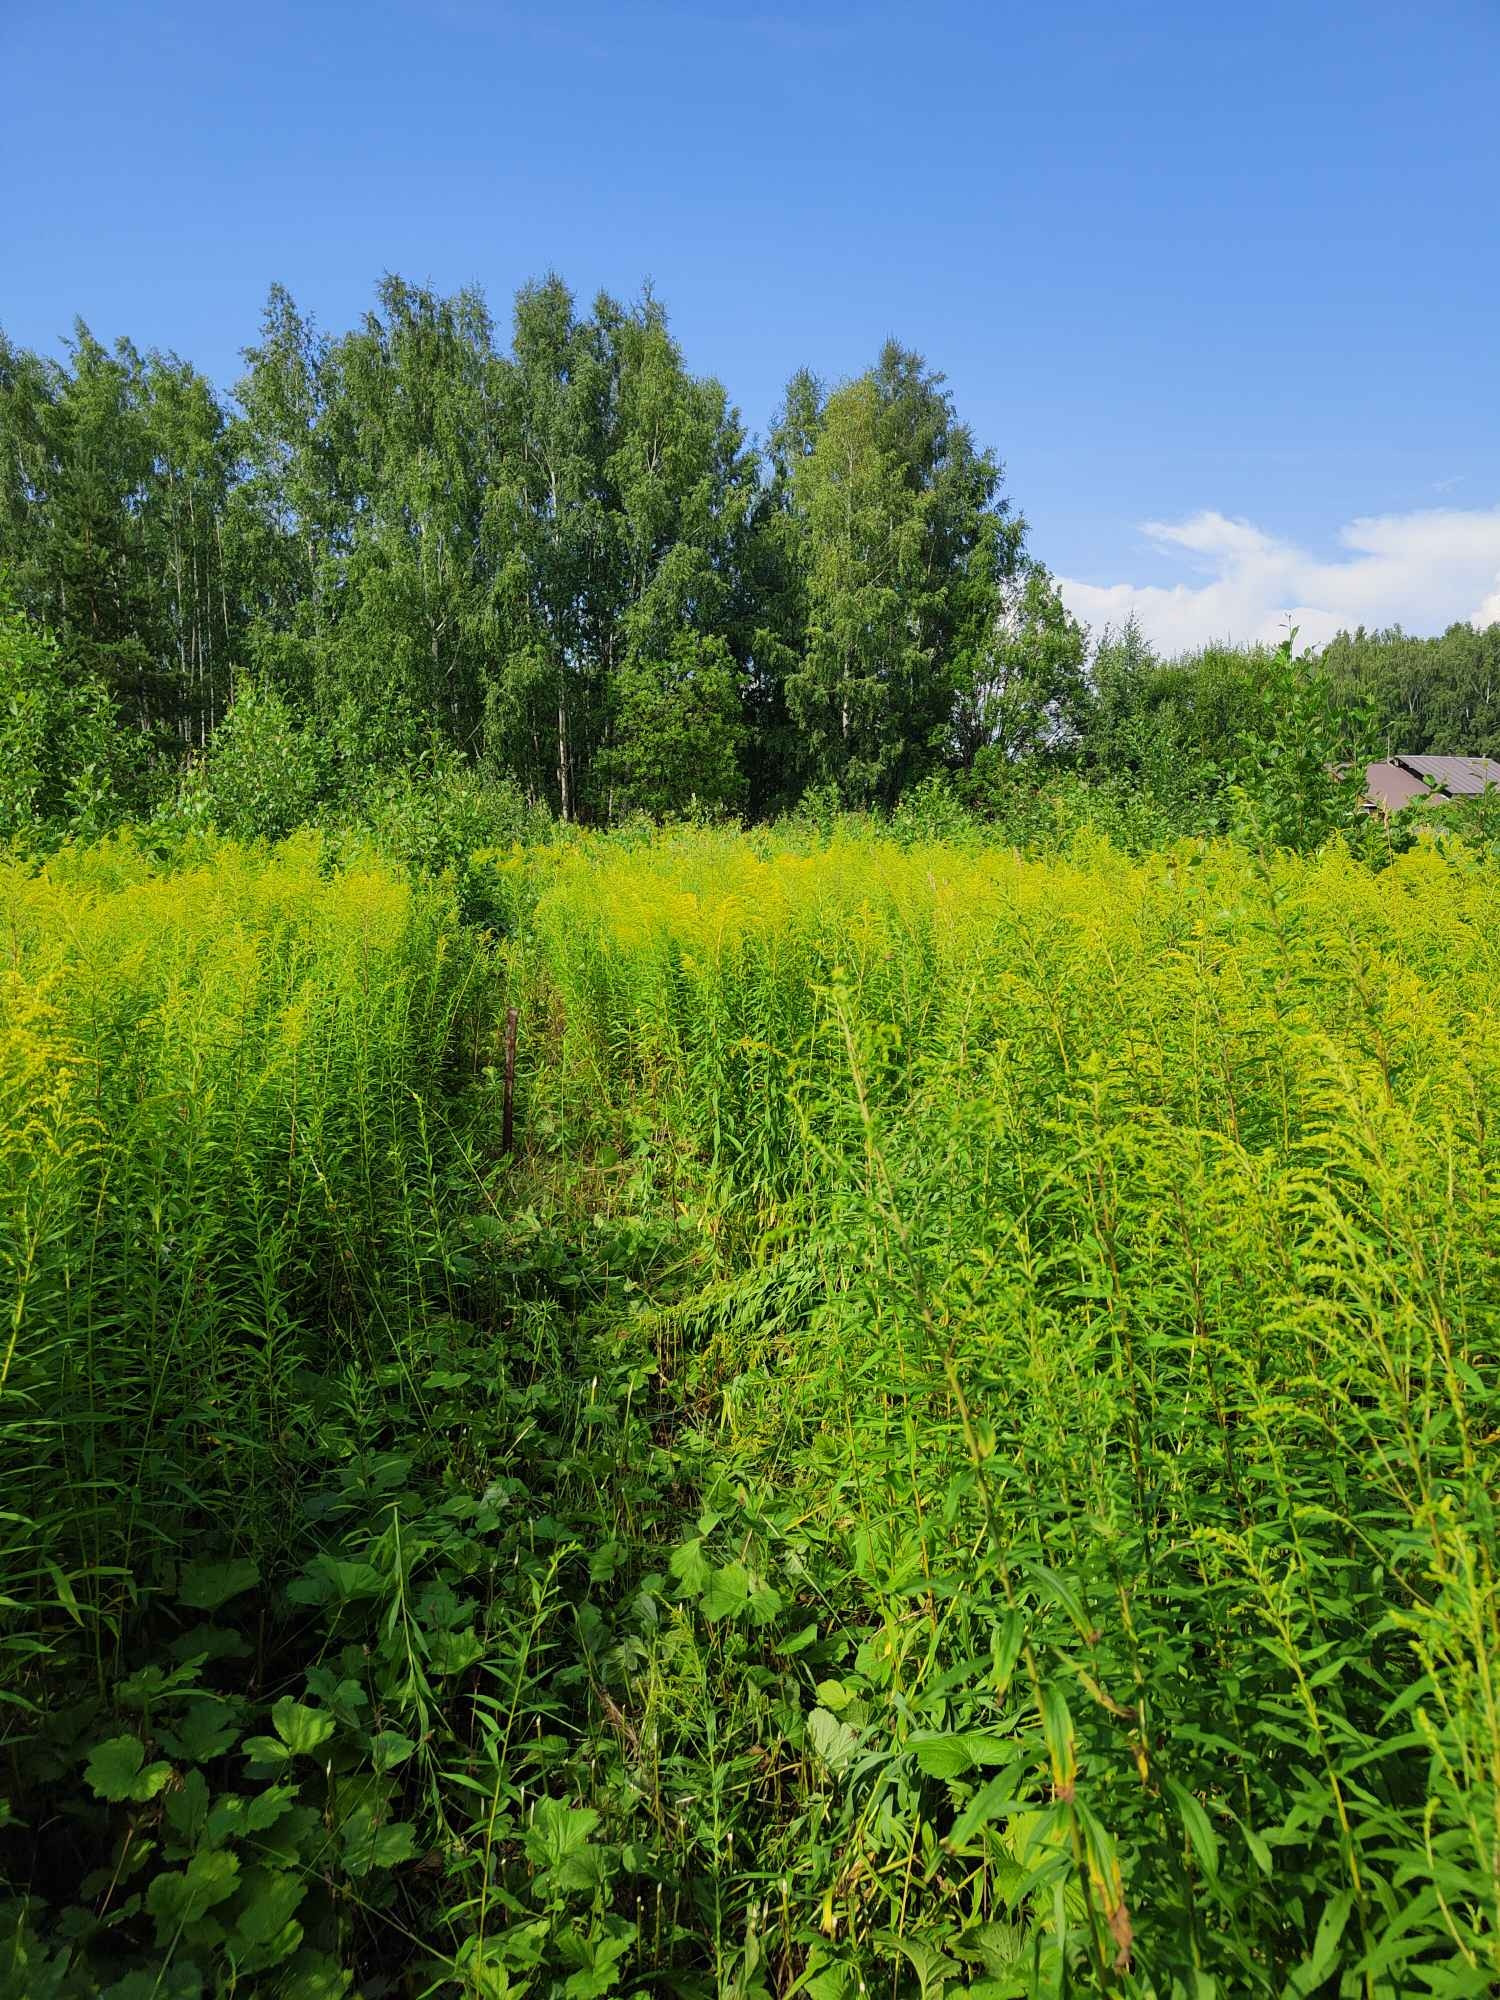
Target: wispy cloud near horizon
1423 571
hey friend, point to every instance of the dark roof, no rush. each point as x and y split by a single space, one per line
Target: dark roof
1459 777
1398 780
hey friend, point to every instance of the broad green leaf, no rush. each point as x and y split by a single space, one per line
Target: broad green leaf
558 1842
236 1814
558 1830
271 1896
959 1751
179 1899
831 1740
302 1729
942 1756
690 1566
933 1968
390 1749
186 1809
315 1976
727 1592
266 1750
206 1731
367 1847
327 1580
454 1652
765 1602
117 1770
205 1586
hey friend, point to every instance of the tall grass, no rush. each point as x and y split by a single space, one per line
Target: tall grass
210 1094
1141 1443
961 1456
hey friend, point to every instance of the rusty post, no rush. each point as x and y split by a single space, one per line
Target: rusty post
508 1129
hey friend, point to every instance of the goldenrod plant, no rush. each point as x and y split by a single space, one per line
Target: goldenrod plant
958 1456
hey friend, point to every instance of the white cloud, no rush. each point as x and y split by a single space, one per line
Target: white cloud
1421 571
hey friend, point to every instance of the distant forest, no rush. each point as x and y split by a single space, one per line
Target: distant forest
563 564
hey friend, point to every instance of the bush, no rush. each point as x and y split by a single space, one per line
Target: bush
261 776
67 769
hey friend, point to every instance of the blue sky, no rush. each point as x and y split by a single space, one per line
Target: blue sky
1220 283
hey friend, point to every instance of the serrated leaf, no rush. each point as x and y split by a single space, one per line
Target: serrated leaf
204 1732
302 1729
117 1770
942 1756
327 1580
367 1846
558 1830
181 1898
727 1592
271 1899
186 1809
315 1976
266 1750
236 1814
690 1566
453 1652
390 1749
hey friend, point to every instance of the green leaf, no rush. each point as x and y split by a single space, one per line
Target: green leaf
390 1749
117 1770
831 1740
186 1809
765 1602
558 1845
1057 1727
942 1756
690 1566
302 1729
995 1799
558 1830
266 1751
315 1976
205 1586
327 1580
264 1933
179 1899
205 1732
959 1751
454 1652
234 1814
1198 1828
1307 1977
367 1846
181 1980
727 1592
934 1970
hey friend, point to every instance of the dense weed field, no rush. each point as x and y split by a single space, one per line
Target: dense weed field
959 1455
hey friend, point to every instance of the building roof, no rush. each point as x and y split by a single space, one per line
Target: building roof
1399 780
1459 777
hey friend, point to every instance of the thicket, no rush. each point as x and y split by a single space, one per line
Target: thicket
958 1456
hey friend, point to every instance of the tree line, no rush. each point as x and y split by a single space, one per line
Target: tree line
564 559
563 562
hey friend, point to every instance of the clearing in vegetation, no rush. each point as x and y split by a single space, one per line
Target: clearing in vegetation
959 1455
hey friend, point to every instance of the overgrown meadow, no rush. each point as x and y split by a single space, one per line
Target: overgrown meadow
958 1455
